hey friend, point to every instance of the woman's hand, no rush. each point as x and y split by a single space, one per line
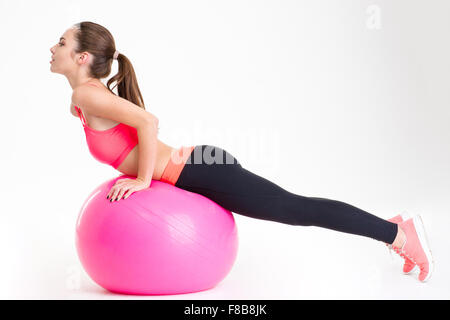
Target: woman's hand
123 185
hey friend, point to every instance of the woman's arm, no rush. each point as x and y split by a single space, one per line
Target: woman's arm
148 143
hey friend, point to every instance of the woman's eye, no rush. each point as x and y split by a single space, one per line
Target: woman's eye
60 44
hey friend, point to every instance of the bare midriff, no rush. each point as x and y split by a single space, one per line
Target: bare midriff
130 164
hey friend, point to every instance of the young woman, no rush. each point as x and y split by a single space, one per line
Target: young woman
119 132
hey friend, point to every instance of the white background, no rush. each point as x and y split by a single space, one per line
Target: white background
347 100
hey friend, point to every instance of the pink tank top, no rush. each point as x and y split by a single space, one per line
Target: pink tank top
110 146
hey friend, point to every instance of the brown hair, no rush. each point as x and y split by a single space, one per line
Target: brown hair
99 42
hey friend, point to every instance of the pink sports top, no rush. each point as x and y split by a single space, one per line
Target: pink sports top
110 146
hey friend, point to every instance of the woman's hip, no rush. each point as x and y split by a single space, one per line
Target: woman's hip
207 165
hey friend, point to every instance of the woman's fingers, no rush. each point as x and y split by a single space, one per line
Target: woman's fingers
115 190
124 189
126 195
114 193
120 195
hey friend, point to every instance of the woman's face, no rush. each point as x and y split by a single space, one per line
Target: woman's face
63 59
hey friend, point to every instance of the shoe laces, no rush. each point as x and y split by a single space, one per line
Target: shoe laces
403 254
400 252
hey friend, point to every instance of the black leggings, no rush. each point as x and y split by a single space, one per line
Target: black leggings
217 175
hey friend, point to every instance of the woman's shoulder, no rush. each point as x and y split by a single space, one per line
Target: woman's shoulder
87 91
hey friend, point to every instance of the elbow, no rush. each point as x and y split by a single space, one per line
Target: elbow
152 122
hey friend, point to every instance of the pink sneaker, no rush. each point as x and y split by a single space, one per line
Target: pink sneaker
416 247
409 266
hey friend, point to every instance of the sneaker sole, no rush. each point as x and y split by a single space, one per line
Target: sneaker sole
418 224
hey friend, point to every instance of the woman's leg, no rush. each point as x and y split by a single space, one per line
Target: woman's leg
216 174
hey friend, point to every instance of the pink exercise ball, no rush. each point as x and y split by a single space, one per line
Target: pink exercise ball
161 240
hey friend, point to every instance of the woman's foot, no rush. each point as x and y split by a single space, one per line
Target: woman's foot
408 266
416 247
